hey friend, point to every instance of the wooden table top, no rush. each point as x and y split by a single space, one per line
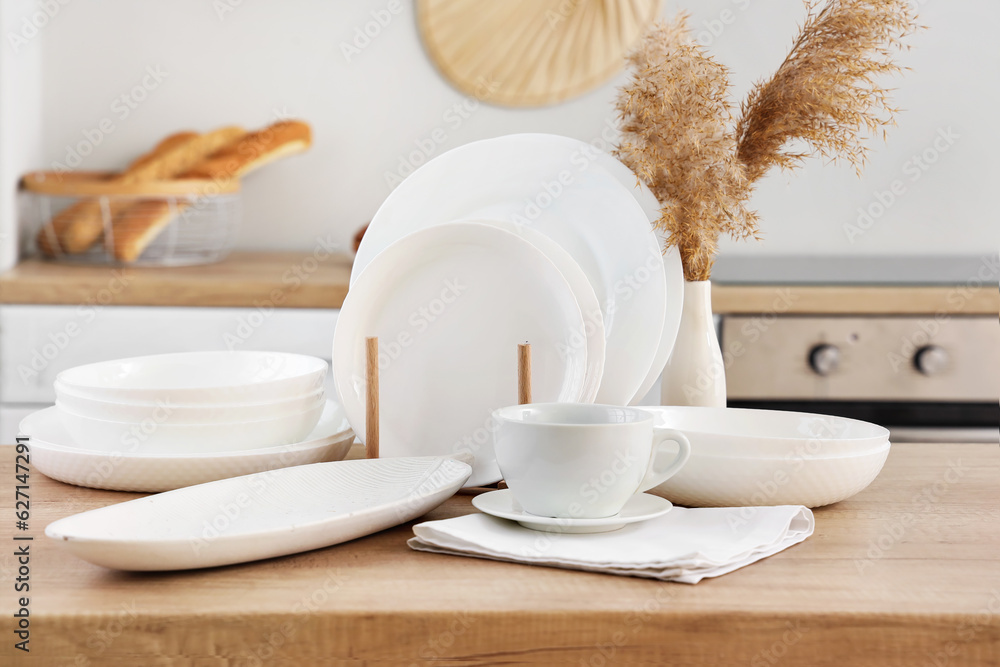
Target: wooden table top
905 573
320 279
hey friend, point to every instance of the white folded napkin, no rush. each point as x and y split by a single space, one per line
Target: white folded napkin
684 545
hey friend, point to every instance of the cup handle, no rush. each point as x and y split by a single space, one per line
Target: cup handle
660 470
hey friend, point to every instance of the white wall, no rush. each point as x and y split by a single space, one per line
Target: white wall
264 58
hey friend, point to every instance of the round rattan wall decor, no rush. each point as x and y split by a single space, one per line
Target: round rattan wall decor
526 53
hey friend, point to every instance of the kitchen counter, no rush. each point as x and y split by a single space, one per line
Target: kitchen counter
905 573
320 280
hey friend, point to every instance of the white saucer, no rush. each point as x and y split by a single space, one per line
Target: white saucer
640 507
54 454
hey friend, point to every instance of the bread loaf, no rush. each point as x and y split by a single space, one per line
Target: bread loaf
77 227
136 227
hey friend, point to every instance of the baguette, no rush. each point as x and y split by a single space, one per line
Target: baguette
138 225
76 228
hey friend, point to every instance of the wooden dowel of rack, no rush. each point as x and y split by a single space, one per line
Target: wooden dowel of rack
371 398
524 373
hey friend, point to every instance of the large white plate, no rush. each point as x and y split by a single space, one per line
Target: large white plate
674 272
593 321
450 304
54 454
547 182
260 516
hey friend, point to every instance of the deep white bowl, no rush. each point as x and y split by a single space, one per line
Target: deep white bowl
720 481
207 413
155 435
219 378
746 433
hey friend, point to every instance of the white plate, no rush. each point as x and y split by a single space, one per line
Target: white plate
548 183
260 516
671 260
449 305
593 321
641 507
54 454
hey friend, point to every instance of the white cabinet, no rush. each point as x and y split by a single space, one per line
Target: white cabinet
36 342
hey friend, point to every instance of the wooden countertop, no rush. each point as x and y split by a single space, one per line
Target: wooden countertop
905 573
320 280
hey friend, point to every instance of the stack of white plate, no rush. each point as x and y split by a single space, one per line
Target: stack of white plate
192 401
163 421
524 238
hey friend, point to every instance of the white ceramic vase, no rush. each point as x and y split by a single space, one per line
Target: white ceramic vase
695 373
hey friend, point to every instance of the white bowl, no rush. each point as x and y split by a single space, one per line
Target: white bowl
198 378
740 432
186 414
155 435
710 481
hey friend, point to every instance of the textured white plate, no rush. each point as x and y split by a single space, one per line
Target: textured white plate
450 304
53 453
260 516
555 185
640 507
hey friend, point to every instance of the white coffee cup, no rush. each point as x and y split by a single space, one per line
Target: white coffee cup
580 460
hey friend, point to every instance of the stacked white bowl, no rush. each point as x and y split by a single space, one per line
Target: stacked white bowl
742 457
192 402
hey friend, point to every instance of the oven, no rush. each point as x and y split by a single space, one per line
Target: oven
932 376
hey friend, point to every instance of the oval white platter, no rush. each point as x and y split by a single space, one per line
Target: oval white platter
258 516
546 182
54 454
450 304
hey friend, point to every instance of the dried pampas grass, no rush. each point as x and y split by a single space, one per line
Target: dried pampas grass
827 93
675 118
677 125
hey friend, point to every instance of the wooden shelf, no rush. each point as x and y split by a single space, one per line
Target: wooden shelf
301 280
905 570
244 279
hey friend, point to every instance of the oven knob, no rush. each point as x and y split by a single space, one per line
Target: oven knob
931 359
824 359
